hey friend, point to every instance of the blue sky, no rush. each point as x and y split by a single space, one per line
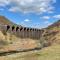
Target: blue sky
31 13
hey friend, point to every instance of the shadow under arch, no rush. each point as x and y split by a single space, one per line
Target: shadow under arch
13 27
21 28
25 28
17 28
8 27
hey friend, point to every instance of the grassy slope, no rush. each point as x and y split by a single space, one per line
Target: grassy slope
49 53
5 21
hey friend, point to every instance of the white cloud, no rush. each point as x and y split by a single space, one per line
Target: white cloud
14 9
56 16
26 20
33 6
45 17
47 23
48 17
29 6
4 2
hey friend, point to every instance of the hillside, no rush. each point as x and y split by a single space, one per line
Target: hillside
52 33
5 21
49 36
14 40
11 41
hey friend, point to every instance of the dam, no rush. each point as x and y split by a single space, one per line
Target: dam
22 32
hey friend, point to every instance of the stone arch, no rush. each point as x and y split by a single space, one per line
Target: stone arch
24 28
38 34
30 29
35 33
33 29
39 29
21 28
8 27
32 33
36 29
17 28
27 29
13 27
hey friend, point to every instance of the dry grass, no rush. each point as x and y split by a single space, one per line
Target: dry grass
5 21
49 53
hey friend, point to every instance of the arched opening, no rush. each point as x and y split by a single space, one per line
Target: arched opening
21 28
13 27
27 29
33 29
17 29
30 29
8 27
24 28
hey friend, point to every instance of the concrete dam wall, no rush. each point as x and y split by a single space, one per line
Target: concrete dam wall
22 32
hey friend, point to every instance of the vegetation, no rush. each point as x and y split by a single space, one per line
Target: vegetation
49 53
51 35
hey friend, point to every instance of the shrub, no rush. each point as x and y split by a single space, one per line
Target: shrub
43 42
